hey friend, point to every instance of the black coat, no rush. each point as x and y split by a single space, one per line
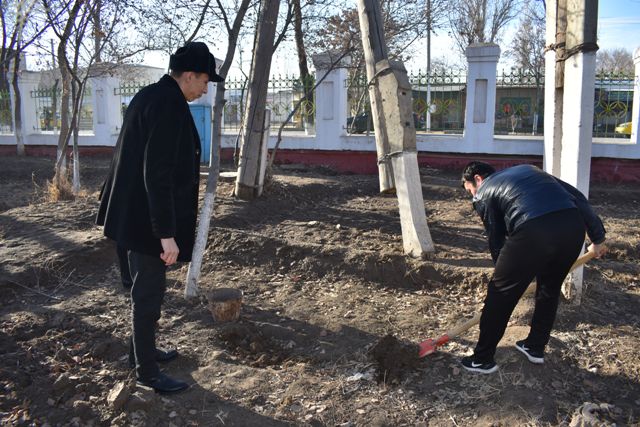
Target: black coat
151 191
507 199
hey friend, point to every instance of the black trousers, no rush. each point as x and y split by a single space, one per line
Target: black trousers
147 293
125 273
544 248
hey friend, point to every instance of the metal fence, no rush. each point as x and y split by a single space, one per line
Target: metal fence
47 106
6 117
519 103
613 106
438 102
283 94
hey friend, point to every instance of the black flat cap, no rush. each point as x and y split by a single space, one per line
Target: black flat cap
195 56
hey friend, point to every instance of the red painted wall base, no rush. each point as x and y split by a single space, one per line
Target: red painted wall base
364 162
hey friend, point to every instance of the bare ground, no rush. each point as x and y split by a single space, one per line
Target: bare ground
331 317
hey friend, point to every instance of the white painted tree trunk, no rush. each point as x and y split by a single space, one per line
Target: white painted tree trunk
246 183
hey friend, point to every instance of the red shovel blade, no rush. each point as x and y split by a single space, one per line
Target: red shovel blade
429 346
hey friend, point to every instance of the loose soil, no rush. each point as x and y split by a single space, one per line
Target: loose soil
331 316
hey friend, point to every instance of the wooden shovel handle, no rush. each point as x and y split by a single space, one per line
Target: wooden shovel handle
463 326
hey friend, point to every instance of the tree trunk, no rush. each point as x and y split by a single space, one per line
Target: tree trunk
256 101
208 203
392 110
98 33
76 95
375 50
17 108
305 77
191 288
61 162
60 177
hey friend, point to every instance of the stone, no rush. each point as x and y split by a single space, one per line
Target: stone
118 395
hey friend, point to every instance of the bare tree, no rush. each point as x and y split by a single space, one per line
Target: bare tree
76 56
480 21
22 24
618 61
404 24
164 25
63 27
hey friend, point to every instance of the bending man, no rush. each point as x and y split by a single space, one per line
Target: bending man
536 226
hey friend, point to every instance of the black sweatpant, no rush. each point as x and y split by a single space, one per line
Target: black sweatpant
544 248
149 285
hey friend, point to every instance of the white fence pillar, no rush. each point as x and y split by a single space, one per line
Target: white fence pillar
330 100
635 118
480 108
107 109
30 121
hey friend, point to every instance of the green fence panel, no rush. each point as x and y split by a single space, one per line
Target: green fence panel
519 103
47 106
6 117
613 105
438 102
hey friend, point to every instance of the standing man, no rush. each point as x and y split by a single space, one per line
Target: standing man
536 226
150 199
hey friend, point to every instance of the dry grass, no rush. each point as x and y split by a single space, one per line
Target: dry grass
59 188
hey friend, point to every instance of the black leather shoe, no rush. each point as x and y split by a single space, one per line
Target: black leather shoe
162 356
164 384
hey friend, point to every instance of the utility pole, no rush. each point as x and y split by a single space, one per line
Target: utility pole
53 55
395 133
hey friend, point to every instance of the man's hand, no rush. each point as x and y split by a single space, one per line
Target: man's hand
170 251
598 249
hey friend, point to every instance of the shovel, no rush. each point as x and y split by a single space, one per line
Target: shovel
429 346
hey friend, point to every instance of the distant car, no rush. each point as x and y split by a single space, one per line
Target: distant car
624 128
361 122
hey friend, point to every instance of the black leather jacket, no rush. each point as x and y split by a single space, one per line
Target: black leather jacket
507 199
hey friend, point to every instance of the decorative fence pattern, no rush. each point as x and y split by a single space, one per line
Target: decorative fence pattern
6 119
613 105
283 93
47 109
438 102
